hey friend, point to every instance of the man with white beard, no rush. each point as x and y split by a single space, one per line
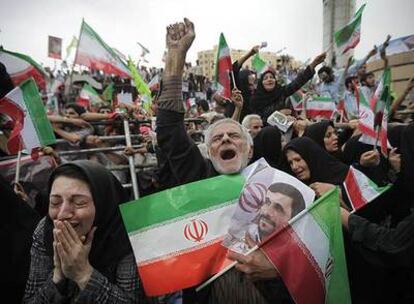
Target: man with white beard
229 146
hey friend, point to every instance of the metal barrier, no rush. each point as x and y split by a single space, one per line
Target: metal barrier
94 150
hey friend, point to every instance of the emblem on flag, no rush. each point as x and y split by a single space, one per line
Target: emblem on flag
252 197
196 231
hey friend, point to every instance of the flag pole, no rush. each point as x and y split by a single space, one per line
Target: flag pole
378 130
19 156
131 160
233 80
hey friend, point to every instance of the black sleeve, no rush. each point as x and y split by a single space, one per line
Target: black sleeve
184 158
393 247
298 82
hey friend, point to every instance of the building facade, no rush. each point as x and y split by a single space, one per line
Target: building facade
207 60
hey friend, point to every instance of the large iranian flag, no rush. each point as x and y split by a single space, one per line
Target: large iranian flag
360 189
309 254
21 67
223 68
348 37
176 234
94 53
24 106
320 106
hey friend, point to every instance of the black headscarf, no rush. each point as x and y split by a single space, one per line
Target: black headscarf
323 167
317 131
110 243
352 153
265 102
267 144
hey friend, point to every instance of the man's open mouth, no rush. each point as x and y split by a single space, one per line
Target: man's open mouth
228 154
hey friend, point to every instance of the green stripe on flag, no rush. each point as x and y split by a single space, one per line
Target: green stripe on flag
181 201
258 64
86 28
345 34
326 213
37 112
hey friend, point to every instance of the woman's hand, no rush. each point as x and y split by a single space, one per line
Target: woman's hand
321 188
370 158
57 268
74 252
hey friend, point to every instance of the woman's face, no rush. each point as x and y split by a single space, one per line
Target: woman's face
331 140
298 165
71 200
269 82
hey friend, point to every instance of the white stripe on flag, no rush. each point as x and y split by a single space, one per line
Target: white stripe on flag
314 238
29 134
157 242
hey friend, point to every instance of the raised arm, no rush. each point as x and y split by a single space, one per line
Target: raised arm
239 62
184 159
304 76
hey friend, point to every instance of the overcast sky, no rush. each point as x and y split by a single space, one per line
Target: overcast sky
294 24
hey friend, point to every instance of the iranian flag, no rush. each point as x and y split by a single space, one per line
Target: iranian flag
370 135
309 254
88 96
223 68
348 37
360 189
21 67
32 128
380 103
94 53
259 65
176 234
320 106
296 99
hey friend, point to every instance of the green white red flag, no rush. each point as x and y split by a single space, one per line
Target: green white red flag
88 96
349 36
371 132
223 69
176 234
320 107
32 128
309 254
94 53
360 189
21 67
296 99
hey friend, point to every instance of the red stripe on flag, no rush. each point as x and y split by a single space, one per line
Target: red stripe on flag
367 130
297 267
23 75
322 113
224 68
354 192
183 270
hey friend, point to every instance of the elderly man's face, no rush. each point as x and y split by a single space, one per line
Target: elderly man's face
255 127
228 149
275 213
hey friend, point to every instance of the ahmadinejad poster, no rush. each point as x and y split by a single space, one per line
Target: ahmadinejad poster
269 199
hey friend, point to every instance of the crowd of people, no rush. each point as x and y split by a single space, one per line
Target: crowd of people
67 244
